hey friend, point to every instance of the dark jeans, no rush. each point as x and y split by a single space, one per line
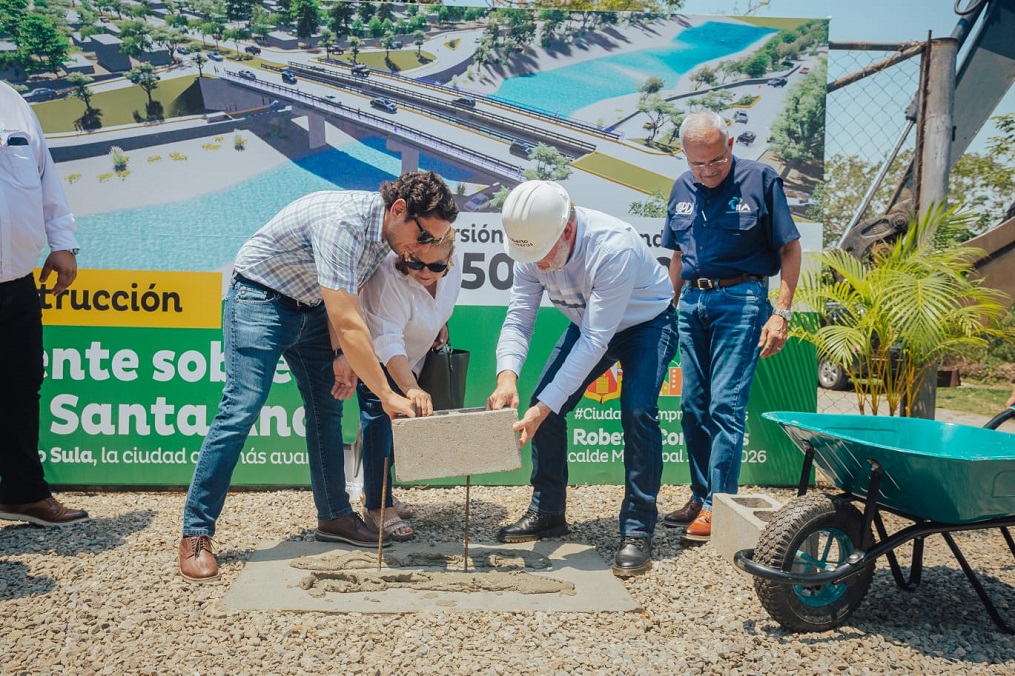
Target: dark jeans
644 352
21 474
375 430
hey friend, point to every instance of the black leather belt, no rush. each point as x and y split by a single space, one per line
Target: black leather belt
706 284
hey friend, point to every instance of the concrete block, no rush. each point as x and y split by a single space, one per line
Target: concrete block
457 442
737 521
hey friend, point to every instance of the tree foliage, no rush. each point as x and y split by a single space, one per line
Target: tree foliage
798 134
40 42
887 319
551 165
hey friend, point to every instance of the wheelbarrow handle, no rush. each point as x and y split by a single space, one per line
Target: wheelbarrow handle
744 560
1003 416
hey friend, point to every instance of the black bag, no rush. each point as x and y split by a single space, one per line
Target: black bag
443 377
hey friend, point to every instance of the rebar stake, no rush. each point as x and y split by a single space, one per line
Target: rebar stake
468 482
380 529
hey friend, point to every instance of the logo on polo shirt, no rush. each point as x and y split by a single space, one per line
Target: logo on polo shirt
684 209
739 207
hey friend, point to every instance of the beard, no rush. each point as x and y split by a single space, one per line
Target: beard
560 255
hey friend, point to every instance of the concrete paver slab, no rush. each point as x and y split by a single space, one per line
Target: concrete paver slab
269 582
457 442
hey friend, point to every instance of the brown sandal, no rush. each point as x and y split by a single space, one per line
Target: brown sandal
394 528
404 510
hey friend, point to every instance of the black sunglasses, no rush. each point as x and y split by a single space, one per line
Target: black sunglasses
419 265
425 237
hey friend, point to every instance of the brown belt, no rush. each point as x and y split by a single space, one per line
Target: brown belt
706 284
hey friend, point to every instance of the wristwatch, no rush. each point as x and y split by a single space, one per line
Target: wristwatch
785 314
336 353
72 252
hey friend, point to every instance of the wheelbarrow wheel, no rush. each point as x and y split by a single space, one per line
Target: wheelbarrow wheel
812 534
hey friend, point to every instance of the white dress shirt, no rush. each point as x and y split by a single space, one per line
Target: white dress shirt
610 283
33 207
403 317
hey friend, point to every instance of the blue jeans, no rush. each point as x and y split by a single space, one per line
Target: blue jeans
644 352
259 326
375 431
719 333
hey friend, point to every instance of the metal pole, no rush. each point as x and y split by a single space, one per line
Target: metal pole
935 133
937 129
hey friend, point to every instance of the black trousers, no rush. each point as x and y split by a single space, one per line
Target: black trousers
21 371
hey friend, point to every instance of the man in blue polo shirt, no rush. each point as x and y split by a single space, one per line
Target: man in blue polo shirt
730 229
598 272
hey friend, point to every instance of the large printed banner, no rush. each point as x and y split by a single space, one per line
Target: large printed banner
124 403
133 351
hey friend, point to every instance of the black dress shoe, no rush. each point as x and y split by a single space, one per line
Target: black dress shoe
534 526
634 557
683 516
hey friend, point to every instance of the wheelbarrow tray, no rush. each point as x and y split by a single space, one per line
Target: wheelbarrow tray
952 474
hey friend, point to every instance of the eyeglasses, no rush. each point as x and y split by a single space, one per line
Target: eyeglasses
714 164
425 237
419 265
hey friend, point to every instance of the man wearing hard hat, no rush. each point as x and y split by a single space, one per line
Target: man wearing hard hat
598 271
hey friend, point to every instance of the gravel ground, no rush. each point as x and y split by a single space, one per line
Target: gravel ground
104 597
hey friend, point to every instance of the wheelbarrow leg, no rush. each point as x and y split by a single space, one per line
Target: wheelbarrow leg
975 581
805 473
916 563
1007 538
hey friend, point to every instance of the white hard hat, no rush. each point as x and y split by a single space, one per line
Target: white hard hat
534 216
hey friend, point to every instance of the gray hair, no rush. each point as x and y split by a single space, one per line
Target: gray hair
698 124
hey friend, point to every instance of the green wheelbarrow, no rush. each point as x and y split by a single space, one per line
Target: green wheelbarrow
814 561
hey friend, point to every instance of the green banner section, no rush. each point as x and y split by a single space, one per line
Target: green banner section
131 406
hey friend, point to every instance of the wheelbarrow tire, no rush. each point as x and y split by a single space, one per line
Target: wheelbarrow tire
788 543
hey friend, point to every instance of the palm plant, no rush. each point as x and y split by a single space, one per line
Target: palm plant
887 320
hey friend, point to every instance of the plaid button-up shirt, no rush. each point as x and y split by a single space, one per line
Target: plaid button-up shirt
329 238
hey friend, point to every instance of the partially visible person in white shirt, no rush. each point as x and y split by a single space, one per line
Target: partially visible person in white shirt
33 214
406 304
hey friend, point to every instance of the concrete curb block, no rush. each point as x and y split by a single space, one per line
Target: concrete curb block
737 521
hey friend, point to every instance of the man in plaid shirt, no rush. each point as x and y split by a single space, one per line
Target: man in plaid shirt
294 295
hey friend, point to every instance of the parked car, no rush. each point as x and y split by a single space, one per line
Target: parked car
747 138
396 44
740 116
247 74
477 202
805 70
335 49
387 105
40 94
215 56
183 51
522 148
251 49
464 102
288 77
777 82
361 70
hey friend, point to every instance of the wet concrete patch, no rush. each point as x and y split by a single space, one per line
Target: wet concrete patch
418 577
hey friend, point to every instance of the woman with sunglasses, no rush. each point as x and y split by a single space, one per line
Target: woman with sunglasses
406 304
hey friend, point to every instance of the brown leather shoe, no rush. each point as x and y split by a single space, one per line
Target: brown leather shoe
684 515
700 529
349 528
48 512
197 562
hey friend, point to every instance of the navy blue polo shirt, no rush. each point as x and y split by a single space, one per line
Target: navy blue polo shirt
735 228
